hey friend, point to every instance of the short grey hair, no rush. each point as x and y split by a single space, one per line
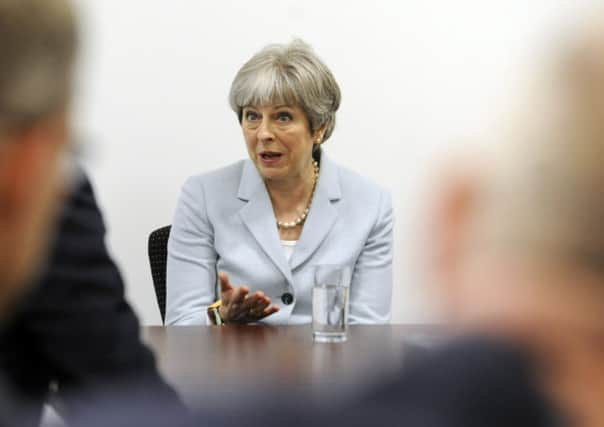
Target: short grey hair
38 41
290 74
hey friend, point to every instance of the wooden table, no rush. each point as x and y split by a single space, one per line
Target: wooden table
202 361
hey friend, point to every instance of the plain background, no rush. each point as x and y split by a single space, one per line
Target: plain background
416 76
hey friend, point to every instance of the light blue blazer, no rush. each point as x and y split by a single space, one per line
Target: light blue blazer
224 221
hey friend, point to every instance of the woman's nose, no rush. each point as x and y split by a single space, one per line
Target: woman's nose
265 132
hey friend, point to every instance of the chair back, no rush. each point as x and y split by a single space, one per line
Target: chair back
158 257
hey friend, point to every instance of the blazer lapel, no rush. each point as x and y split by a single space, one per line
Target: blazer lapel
258 217
322 215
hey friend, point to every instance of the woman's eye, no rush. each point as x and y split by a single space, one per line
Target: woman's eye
251 116
284 117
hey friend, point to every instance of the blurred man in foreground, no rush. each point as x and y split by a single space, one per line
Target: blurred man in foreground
37 49
72 328
521 243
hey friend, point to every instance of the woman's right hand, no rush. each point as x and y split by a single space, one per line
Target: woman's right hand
238 306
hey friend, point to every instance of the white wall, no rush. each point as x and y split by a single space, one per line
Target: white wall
415 75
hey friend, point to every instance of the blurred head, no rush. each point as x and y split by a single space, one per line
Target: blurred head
286 101
520 233
37 48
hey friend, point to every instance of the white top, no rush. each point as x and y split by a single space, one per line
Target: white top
288 247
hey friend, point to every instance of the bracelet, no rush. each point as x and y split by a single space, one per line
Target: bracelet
214 313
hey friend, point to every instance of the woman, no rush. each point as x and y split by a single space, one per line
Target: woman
267 221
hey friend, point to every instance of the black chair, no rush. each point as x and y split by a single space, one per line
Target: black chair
158 257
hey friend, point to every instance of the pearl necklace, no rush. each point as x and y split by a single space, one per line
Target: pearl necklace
299 220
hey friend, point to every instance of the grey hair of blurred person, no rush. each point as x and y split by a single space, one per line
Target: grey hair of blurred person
38 40
291 74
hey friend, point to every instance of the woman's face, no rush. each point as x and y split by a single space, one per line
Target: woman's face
279 140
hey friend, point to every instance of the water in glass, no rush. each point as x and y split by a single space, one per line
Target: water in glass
330 312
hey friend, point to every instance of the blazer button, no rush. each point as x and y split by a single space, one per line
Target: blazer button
287 298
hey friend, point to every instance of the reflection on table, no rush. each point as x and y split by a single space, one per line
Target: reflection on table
210 362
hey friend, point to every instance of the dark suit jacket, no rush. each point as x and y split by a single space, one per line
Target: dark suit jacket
76 329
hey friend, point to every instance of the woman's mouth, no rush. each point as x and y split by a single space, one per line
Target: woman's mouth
270 157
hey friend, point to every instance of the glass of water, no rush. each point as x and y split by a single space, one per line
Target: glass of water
330 303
